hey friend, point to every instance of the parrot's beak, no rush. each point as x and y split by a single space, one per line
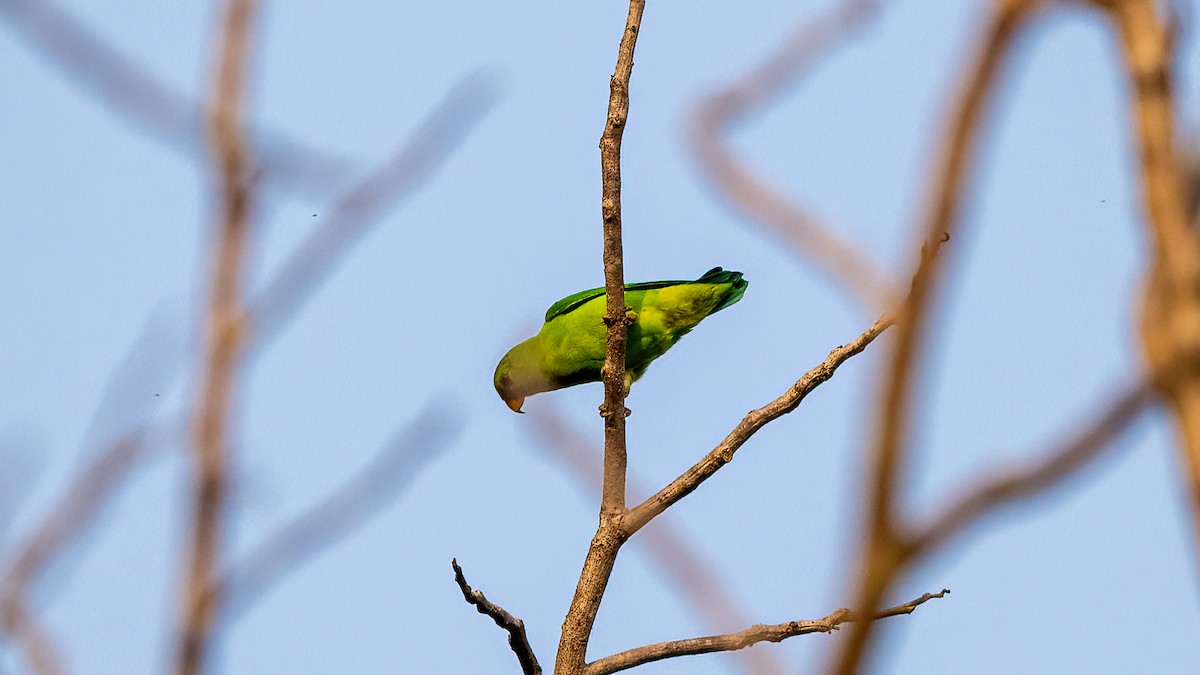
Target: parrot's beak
516 403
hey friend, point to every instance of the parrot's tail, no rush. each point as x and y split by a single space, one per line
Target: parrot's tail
737 285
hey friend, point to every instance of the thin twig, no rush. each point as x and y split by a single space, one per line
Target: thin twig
150 106
517 639
81 504
365 204
1054 467
752 635
880 559
335 517
602 554
723 453
664 545
29 635
223 337
722 110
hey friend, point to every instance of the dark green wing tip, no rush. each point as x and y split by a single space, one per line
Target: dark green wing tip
718 275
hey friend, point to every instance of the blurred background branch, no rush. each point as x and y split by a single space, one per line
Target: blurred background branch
354 214
1170 329
152 107
719 113
1054 466
880 558
334 518
81 503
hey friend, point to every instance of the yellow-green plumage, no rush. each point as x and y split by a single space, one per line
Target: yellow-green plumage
569 349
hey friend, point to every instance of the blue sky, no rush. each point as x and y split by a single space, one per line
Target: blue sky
104 228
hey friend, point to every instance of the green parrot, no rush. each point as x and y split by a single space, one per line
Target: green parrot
569 349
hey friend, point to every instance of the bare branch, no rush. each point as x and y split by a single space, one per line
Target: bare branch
1170 321
150 106
752 635
602 555
365 204
515 627
1016 485
723 453
335 517
881 558
223 336
664 545
722 110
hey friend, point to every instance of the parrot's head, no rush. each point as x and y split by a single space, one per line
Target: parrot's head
519 374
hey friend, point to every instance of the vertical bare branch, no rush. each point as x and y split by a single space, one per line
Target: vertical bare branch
1171 304
882 548
223 335
720 111
613 494
602 554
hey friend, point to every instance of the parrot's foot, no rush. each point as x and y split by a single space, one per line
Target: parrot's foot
605 414
630 317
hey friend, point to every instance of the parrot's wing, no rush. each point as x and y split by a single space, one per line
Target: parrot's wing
564 306
574 300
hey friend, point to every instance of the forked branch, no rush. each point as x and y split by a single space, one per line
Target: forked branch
750 424
664 545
